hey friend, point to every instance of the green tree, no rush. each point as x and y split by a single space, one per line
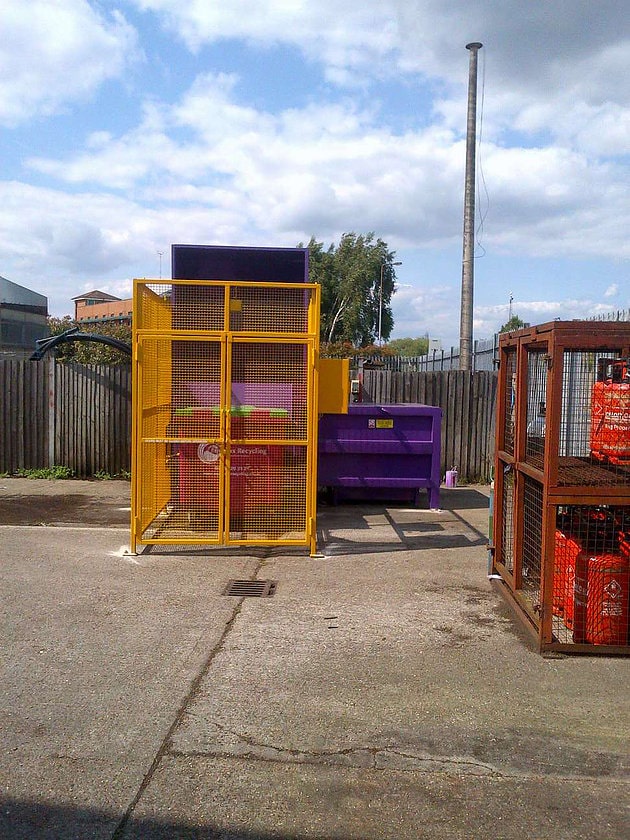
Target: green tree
514 323
353 301
90 352
409 346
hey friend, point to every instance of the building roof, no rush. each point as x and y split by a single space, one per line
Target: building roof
96 295
12 293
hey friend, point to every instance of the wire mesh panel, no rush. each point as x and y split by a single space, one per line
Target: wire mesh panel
181 455
198 307
268 432
531 549
591 588
509 419
152 307
536 406
270 390
268 493
507 530
224 412
262 309
594 440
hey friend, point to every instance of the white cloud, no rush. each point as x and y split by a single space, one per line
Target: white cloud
559 70
330 168
431 310
54 53
349 38
57 239
212 164
611 291
489 319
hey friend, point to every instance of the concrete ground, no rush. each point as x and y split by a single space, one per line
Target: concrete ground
384 691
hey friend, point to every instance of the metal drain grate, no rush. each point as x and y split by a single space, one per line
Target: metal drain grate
251 588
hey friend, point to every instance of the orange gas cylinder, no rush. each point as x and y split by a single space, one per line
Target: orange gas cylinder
601 598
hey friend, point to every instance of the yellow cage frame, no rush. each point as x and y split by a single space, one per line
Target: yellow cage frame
273 327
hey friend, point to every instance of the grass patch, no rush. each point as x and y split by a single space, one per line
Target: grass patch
102 475
52 473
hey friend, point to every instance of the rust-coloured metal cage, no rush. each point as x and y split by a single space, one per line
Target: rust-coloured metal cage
225 410
562 483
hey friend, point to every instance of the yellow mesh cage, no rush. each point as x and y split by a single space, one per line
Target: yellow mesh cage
224 412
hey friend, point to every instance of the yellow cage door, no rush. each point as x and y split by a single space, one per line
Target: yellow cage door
268 491
181 448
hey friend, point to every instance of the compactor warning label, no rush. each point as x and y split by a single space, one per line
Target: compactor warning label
380 423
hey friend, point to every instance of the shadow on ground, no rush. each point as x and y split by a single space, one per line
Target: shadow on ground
66 509
38 821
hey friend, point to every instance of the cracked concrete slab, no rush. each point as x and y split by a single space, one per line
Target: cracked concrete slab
385 690
249 800
432 671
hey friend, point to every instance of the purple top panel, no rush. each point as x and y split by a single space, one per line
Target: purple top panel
220 262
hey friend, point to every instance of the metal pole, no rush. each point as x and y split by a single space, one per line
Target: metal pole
466 323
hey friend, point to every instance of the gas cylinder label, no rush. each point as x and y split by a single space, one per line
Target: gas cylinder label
613 589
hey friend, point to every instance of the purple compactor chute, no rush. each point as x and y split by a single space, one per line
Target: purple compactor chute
381 452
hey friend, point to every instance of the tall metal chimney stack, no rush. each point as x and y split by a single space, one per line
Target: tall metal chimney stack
468 260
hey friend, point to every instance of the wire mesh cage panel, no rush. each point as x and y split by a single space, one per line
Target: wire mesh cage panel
273 507
591 593
152 307
531 544
177 434
224 413
264 310
509 419
563 473
536 406
198 307
505 548
594 438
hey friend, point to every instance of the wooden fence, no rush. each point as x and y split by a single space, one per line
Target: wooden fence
79 416
76 416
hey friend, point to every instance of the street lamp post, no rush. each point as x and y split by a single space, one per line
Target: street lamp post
380 302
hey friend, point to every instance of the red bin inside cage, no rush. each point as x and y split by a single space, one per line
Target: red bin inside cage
255 468
602 598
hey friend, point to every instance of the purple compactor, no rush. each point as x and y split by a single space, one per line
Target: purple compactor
385 452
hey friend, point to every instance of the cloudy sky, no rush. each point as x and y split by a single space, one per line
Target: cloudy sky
128 126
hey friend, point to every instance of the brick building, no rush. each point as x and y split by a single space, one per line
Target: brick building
99 307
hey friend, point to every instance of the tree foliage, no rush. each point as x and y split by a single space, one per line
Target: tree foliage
350 275
90 353
409 346
514 323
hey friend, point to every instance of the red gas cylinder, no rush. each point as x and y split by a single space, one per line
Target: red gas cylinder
610 413
601 598
565 555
